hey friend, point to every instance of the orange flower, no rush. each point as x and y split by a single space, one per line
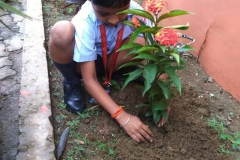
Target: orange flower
167 37
154 5
135 21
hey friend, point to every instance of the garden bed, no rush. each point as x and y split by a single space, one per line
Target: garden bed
189 134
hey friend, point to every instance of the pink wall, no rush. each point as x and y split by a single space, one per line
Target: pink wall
216 28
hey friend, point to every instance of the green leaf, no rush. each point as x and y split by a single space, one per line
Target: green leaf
5 24
185 48
226 137
156 116
149 38
129 46
163 48
147 86
138 12
169 85
164 88
128 23
149 72
175 78
14 10
133 51
164 62
149 113
182 61
149 48
142 105
165 114
153 92
137 32
180 27
176 57
173 13
146 56
160 105
130 64
132 76
115 84
234 146
152 30
237 141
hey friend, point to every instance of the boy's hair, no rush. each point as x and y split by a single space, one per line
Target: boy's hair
111 3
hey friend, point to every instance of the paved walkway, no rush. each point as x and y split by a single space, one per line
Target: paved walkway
11 43
25 129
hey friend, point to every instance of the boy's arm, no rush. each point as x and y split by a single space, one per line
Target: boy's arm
135 128
95 89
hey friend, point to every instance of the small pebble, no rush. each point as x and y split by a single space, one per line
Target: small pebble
170 148
183 150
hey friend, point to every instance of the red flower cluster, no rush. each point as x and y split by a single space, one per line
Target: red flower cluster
167 37
154 6
135 21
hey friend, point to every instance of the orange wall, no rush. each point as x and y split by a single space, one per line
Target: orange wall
216 28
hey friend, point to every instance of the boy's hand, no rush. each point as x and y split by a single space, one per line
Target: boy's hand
163 121
135 128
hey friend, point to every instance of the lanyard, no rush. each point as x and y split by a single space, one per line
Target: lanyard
108 76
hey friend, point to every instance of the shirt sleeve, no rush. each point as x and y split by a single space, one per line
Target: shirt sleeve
84 49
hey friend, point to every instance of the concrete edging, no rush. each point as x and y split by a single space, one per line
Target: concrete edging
36 139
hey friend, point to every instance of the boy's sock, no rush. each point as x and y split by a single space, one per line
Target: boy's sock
69 72
73 94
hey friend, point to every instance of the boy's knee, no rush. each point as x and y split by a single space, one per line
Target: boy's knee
62 34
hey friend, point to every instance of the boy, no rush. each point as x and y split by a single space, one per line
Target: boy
76 48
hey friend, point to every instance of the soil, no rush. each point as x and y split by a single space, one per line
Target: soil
94 135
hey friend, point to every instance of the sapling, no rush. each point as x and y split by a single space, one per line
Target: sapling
160 54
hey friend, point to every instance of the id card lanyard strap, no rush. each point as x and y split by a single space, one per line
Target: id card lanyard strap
108 75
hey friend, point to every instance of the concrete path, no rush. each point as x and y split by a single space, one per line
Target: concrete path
26 132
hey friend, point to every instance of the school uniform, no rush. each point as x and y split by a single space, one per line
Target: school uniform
88 36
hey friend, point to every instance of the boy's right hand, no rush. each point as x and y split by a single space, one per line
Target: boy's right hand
135 128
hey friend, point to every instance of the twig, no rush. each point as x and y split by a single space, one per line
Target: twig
94 107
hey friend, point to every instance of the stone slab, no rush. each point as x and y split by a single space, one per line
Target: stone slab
36 132
6 72
4 61
15 43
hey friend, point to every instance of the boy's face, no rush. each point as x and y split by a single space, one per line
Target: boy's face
108 16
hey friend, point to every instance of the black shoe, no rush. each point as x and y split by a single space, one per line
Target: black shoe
74 98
